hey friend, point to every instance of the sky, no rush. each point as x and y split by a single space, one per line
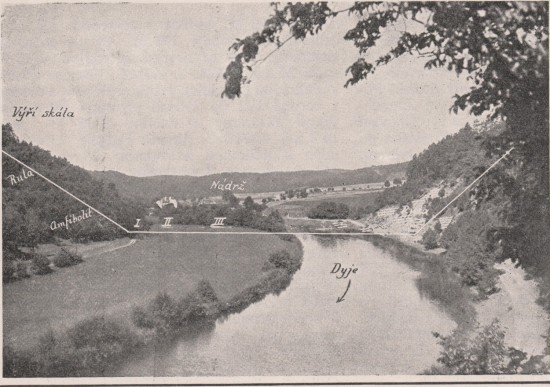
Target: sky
144 82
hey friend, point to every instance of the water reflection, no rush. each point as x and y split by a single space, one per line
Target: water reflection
330 241
383 327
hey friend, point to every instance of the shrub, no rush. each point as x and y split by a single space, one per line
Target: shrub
20 268
206 292
470 252
287 237
429 239
166 316
100 332
201 305
18 363
483 354
329 210
8 270
40 265
66 258
282 260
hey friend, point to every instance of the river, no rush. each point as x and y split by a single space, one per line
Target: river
383 325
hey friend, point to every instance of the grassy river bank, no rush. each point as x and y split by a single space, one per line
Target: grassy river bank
504 334
194 286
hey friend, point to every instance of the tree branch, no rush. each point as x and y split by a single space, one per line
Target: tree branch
272 52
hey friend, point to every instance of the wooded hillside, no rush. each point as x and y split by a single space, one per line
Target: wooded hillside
31 204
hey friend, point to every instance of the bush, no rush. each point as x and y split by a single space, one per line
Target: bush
470 253
66 258
87 349
282 260
287 237
429 239
21 270
40 265
8 271
167 316
484 354
329 210
100 333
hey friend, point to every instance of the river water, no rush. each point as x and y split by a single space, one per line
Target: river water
383 326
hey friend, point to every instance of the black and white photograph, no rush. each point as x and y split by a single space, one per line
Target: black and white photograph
254 192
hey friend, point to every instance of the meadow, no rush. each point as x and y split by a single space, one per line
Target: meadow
297 208
111 284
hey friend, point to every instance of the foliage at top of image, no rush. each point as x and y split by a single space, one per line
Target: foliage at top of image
501 47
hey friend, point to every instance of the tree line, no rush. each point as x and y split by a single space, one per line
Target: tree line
30 206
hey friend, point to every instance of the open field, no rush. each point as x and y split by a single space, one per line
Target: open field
296 208
84 249
111 283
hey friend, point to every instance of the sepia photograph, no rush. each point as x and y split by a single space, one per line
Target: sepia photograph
222 192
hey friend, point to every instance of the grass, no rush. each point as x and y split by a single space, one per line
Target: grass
358 200
97 344
112 283
294 207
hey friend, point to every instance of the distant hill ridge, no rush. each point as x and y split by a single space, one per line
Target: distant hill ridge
151 187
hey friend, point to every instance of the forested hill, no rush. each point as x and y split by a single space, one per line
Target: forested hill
149 188
457 156
30 204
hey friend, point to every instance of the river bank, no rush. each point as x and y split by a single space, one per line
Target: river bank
383 325
93 345
436 281
522 319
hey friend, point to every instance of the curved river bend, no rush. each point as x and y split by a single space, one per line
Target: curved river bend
383 326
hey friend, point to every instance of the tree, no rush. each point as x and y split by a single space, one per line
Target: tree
230 198
397 181
248 203
329 210
429 239
502 47
387 183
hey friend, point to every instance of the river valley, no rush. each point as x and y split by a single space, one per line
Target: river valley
382 326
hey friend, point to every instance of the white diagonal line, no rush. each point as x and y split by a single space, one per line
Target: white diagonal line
465 189
64 190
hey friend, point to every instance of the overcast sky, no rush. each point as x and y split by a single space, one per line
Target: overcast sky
155 73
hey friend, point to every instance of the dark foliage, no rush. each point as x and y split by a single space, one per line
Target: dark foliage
429 239
329 210
29 207
483 353
167 316
470 251
501 46
40 265
88 349
149 189
67 258
250 215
